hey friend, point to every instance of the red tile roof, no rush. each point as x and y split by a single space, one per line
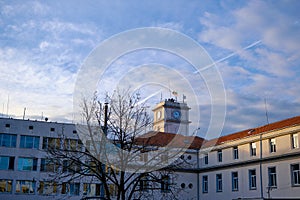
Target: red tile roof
253 131
163 139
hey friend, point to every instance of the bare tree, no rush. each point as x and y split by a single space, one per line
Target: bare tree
113 152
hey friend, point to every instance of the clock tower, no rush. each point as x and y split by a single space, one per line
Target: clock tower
172 117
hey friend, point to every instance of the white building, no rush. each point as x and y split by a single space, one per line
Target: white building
256 163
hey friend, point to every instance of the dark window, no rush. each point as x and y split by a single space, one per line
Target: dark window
220 156
235 181
182 185
165 183
52 129
7 163
206 159
144 183
30 127
235 153
295 174
219 182
204 184
252 179
272 177
7 125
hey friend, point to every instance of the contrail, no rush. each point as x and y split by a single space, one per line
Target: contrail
229 56
148 97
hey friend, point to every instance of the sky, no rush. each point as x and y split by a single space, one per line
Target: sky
254 46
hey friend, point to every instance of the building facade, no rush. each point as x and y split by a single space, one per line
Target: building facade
257 163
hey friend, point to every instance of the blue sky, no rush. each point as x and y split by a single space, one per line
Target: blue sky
44 43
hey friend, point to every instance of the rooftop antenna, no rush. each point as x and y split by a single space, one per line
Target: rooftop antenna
7 107
266 109
24 113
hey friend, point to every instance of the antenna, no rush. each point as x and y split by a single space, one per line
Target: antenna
7 106
24 113
267 117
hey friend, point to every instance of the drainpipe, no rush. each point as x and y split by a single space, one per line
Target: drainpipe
198 174
260 168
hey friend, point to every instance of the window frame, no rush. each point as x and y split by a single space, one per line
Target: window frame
234 181
220 155
272 145
25 143
12 140
293 175
26 183
219 183
253 148
205 184
235 152
33 167
7 189
272 177
252 179
295 140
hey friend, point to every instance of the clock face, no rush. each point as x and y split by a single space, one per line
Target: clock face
176 114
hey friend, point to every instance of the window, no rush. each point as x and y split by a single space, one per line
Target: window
253 149
52 143
295 141
164 158
5 186
49 165
235 181
30 142
206 159
204 184
272 145
8 140
165 183
70 166
7 125
27 164
235 153
144 183
113 190
252 179
52 129
47 188
72 144
219 155
144 157
7 163
70 188
272 177
219 182
295 171
30 127
25 187
91 189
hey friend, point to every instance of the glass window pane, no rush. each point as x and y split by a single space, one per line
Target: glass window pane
4 161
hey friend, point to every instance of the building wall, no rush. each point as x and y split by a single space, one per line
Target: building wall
282 159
